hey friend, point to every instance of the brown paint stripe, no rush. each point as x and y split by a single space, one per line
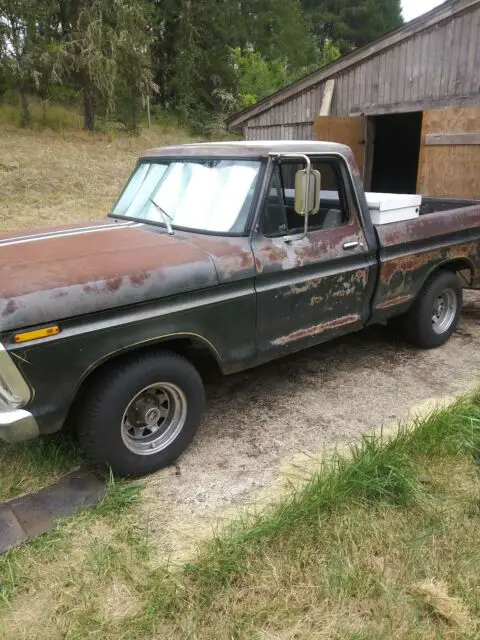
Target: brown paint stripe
32 515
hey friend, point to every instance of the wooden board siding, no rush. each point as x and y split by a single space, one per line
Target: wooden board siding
450 169
437 66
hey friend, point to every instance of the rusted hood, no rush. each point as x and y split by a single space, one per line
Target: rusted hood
49 275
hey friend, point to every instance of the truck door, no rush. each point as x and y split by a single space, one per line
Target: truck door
312 289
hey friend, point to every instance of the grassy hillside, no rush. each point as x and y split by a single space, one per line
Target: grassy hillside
55 173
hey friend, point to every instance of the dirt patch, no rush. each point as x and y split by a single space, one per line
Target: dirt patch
261 421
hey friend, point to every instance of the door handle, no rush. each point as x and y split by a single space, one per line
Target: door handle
351 245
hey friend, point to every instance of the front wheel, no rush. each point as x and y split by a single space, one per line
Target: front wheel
435 313
140 416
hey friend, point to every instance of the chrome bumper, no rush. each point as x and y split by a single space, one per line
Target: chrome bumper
17 425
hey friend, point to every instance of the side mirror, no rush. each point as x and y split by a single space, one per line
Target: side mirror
307 192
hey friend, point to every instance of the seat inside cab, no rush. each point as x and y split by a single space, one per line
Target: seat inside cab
280 217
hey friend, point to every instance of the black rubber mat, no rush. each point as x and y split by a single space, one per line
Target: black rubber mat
29 516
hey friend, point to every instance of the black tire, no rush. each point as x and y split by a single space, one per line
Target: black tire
418 325
102 418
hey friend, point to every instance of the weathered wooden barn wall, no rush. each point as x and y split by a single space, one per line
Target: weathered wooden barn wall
436 64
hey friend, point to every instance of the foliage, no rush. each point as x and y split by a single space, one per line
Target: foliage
104 50
350 23
198 59
23 45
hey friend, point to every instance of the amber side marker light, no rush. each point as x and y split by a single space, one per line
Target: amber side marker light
35 335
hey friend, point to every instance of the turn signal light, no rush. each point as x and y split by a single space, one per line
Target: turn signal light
46 332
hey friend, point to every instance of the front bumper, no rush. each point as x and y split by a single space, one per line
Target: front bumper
17 425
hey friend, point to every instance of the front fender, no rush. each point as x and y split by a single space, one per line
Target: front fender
223 317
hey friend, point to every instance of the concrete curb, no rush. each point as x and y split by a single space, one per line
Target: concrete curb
32 515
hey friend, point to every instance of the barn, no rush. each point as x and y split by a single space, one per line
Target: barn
408 105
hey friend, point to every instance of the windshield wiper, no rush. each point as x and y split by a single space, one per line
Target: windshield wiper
165 217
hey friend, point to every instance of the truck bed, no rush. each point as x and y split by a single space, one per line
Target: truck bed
447 232
434 205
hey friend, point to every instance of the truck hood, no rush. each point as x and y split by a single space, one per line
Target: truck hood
58 273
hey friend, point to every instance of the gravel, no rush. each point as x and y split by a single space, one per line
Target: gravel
282 415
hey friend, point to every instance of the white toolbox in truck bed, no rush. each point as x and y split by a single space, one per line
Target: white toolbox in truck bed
393 207
384 207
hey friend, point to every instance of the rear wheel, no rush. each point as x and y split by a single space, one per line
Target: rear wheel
142 415
435 313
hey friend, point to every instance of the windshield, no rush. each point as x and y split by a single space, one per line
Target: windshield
204 195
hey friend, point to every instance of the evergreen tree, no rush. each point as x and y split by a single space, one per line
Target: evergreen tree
352 23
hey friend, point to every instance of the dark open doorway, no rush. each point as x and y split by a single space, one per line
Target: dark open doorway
396 151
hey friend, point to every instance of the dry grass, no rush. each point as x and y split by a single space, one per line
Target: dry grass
383 545
56 177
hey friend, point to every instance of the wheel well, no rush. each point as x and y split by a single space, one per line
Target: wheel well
193 349
461 266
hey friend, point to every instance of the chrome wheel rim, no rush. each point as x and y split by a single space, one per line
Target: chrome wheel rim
444 311
154 418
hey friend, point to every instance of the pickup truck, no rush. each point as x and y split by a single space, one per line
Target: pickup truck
234 253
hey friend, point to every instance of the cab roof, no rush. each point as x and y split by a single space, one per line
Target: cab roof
246 149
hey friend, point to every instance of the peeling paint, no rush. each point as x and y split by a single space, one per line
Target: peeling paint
394 302
10 308
316 329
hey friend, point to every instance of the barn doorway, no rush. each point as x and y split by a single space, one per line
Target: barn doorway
396 151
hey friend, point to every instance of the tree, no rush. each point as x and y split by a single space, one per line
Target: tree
193 44
104 46
23 43
352 23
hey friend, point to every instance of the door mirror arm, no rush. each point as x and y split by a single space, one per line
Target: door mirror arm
307 191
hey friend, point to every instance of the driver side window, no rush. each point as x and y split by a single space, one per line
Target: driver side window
279 216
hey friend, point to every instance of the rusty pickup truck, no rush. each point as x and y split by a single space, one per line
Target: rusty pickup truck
236 252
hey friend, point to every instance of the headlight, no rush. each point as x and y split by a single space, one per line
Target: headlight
14 391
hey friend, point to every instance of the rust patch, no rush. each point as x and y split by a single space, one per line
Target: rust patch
114 284
302 287
231 256
411 263
393 302
269 255
405 264
428 226
137 279
55 263
10 308
362 274
315 300
88 288
316 329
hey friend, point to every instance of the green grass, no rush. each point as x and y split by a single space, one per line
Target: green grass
29 466
43 116
381 543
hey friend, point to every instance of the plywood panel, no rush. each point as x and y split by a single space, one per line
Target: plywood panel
344 129
450 170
